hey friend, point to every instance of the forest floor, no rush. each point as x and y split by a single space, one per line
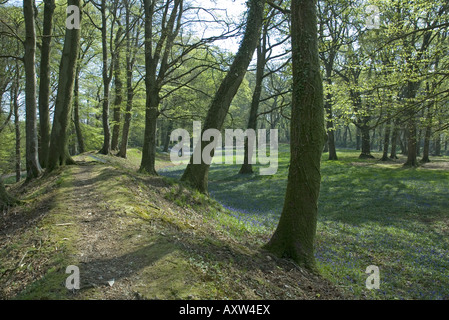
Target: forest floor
137 237
370 213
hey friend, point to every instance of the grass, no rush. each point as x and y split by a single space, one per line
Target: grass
45 246
370 213
155 237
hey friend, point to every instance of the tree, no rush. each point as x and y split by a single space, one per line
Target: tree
197 174
107 11
32 156
117 110
6 200
295 233
44 82
263 54
59 153
156 65
15 92
333 16
132 47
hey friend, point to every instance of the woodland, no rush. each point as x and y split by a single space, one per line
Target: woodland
91 93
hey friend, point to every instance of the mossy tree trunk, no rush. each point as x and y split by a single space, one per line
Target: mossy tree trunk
106 73
295 234
157 63
197 174
117 111
131 53
76 113
410 93
366 141
6 200
59 153
33 166
44 82
15 101
428 132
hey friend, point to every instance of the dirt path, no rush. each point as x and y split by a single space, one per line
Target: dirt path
106 267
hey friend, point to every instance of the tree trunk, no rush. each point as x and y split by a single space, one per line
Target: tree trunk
44 82
106 149
76 114
411 144
127 121
197 174
169 129
330 118
247 167
345 138
118 94
130 60
366 143
437 145
427 135
410 93
15 97
156 67
386 143
357 138
147 164
331 141
152 97
59 153
33 166
295 234
394 139
446 145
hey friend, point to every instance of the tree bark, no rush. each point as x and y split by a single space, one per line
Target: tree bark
59 153
130 61
330 122
169 129
427 135
366 143
106 149
386 143
437 145
411 143
357 138
15 97
44 82
156 66
394 139
76 114
295 234
410 93
247 167
118 94
33 166
197 174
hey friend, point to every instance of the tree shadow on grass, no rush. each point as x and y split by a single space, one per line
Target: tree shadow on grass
98 271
